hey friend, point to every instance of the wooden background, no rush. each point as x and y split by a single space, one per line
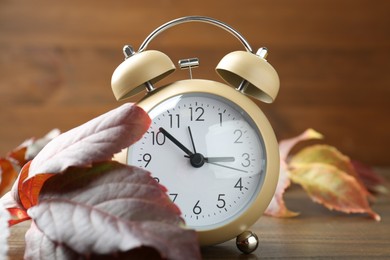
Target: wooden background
333 59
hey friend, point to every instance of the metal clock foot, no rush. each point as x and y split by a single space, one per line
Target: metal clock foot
247 242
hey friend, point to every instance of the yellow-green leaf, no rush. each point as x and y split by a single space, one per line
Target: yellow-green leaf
323 154
286 145
328 155
333 188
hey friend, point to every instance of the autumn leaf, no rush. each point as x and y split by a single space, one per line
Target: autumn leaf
9 168
4 231
35 238
105 209
11 164
328 155
336 190
27 150
330 179
328 176
374 182
41 247
83 204
110 132
7 175
277 206
95 141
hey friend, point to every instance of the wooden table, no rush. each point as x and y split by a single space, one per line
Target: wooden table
316 233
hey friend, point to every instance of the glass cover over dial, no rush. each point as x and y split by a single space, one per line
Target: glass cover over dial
207 152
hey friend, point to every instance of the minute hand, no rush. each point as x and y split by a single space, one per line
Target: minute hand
175 141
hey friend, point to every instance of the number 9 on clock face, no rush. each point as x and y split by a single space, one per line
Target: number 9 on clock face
208 153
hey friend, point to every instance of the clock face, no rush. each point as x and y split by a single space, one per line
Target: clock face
208 153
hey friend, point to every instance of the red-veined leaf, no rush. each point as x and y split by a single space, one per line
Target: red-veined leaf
110 208
37 145
28 191
29 149
18 214
94 141
41 247
17 156
7 176
38 240
9 168
333 188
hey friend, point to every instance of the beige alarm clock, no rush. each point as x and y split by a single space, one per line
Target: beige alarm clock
209 144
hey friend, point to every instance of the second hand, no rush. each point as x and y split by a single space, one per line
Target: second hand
228 167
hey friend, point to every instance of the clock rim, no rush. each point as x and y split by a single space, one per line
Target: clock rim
261 201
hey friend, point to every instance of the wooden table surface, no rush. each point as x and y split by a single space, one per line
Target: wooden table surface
316 233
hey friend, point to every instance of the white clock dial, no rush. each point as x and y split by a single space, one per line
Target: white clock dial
209 155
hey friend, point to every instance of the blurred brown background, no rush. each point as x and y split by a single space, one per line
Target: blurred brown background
333 59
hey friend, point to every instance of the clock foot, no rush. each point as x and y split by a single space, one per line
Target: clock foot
247 242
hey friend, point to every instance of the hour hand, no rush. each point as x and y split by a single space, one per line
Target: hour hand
219 159
175 141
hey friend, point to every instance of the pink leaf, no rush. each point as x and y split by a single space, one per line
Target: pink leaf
37 145
11 166
110 208
41 247
95 141
27 150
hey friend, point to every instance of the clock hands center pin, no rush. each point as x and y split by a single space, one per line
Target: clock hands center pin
196 159
212 160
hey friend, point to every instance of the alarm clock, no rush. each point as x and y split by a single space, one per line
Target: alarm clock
209 143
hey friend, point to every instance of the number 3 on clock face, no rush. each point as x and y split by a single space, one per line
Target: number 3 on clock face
208 152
